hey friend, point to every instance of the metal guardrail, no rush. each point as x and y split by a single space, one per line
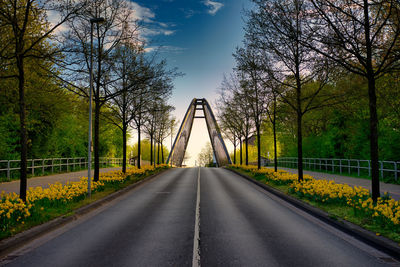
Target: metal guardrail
52 165
343 165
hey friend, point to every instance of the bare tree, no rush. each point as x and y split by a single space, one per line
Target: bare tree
131 75
119 26
28 35
363 37
248 63
228 127
172 127
271 111
164 126
276 28
236 106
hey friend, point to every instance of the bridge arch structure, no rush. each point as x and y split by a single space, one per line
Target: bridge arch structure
178 150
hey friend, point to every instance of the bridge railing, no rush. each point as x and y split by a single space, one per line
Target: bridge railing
344 166
10 168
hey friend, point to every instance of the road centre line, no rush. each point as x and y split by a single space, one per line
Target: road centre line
196 240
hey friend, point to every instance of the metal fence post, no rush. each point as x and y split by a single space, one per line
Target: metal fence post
52 165
381 169
67 164
340 164
358 167
349 165
395 170
33 167
42 166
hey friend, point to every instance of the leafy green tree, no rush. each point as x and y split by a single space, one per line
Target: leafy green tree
363 37
25 35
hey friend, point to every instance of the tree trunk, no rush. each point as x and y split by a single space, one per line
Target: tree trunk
139 151
234 150
158 153
299 147
247 150
275 149
124 148
162 154
274 130
96 138
151 149
155 150
23 131
299 123
373 114
258 147
241 150
373 121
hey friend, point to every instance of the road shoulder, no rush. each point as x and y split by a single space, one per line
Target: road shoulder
379 242
12 243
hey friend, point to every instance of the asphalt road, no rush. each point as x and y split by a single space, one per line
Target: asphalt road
239 225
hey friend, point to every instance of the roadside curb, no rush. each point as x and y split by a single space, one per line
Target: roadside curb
382 243
11 243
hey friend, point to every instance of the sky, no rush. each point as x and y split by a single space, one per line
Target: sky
198 37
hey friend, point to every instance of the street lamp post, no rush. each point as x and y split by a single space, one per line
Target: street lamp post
172 126
92 21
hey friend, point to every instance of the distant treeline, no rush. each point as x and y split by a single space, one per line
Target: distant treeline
57 123
338 131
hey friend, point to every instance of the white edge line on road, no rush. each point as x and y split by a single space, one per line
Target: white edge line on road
196 240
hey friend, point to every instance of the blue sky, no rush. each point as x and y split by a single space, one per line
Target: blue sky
198 37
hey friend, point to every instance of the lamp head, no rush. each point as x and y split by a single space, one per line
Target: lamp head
97 20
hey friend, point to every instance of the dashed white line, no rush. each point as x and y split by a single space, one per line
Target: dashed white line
196 240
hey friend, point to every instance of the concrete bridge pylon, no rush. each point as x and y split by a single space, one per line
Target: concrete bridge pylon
178 150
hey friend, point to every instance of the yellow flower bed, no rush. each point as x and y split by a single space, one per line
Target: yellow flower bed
328 191
63 193
385 212
13 209
119 176
279 177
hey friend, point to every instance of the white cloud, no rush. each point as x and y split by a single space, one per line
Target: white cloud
214 6
168 32
157 31
151 27
142 13
165 49
162 24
